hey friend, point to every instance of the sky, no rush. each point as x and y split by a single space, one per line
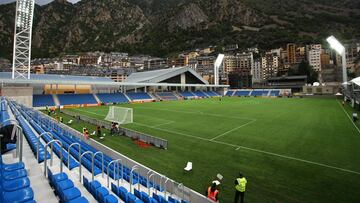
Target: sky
40 2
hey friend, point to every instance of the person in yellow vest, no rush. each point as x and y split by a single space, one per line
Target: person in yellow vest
61 119
212 193
240 187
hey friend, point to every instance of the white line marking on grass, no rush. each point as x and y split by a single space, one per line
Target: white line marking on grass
170 122
349 117
256 150
198 112
232 130
89 112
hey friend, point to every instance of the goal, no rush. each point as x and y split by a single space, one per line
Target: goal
120 115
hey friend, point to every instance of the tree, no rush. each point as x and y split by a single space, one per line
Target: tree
305 69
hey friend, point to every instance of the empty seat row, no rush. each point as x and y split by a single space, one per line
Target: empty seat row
200 94
167 96
76 99
43 100
100 193
138 96
112 98
64 188
187 94
14 183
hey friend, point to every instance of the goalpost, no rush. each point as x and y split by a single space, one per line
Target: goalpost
120 115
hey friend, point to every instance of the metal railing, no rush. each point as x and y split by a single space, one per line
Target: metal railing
79 155
102 161
38 144
51 156
92 165
134 168
118 161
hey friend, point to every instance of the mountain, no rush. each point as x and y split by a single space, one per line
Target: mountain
162 27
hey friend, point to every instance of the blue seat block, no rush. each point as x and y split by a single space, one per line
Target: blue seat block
86 183
12 167
70 194
172 200
14 174
184 201
145 197
152 200
64 185
111 199
94 185
115 189
137 193
23 195
101 193
123 194
131 198
79 200
16 184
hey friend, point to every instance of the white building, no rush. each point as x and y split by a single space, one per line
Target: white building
256 72
314 56
269 66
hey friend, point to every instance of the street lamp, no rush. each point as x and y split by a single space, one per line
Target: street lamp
340 49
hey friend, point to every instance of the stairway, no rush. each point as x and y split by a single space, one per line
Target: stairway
56 100
97 98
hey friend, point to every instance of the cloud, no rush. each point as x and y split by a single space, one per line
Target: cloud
40 2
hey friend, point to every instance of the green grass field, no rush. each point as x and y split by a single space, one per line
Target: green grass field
290 150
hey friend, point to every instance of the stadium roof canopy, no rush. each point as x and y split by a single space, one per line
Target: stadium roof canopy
158 76
44 79
356 81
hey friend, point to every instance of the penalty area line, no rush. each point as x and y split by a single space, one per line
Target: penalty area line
232 130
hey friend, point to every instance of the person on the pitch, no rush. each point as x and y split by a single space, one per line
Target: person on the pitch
212 193
240 187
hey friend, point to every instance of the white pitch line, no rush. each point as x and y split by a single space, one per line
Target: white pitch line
232 130
258 151
170 122
198 112
89 112
349 117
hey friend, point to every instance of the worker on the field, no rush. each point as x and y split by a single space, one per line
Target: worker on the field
61 119
212 193
98 129
86 133
240 187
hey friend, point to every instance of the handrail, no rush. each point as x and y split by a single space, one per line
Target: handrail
136 167
73 144
102 162
148 182
165 187
107 171
182 189
119 162
51 157
38 144
12 120
160 183
19 143
92 165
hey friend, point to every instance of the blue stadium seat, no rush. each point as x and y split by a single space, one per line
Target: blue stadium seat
200 94
112 98
187 94
138 96
240 93
229 93
43 100
167 96
76 99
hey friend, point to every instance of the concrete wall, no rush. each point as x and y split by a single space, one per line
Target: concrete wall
22 95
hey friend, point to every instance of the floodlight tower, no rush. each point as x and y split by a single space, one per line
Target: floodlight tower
340 49
22 39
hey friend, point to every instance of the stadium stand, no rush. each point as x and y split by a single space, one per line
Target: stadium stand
229 93
135 96
76 99
212 93
200 94
43 100
242 93
259 93
65 189
275 93
167 96
187 95
112 98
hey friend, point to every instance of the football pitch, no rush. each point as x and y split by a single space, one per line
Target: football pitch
289 149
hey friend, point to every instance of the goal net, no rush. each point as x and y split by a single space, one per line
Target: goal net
120 115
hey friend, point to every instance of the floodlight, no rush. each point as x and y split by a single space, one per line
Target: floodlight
336 45
340 49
